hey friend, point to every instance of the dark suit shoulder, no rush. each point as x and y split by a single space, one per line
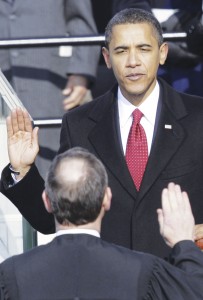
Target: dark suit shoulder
82 249
180 104
169 91
64 245
81 259
192 102
128 256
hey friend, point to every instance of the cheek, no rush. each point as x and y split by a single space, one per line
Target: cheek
151 66
116 67
116 74
119 73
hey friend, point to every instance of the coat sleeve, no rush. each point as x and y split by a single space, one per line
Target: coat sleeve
26 195
80 21
181 278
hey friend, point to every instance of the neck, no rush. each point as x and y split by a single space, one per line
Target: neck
137 99
94 226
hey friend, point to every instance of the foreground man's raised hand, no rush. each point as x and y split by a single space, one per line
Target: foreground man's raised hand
176 220
23 143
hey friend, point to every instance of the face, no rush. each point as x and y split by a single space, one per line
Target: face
134 56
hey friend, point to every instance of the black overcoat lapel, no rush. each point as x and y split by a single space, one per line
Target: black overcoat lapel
106 142
169 137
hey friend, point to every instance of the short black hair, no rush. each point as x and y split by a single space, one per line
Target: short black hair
134 16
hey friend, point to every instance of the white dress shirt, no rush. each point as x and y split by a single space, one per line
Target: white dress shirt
78 231
148 108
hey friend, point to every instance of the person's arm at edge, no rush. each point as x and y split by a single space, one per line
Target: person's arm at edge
22 150
26 196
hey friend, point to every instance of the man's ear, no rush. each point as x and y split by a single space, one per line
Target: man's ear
106 56
107 199
47 202
163 53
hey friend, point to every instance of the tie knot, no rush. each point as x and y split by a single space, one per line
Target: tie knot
137 115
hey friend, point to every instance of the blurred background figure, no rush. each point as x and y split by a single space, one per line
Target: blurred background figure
48 80
118 5
184 66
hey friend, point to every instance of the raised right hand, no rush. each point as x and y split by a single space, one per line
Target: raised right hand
23 143
175 218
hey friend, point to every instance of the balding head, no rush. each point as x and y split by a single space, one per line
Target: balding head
75 185
71 171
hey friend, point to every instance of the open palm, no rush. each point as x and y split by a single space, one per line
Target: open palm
23 143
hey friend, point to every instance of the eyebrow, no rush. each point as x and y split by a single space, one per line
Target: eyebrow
137 46
120 47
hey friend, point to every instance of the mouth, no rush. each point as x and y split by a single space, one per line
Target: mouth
134 76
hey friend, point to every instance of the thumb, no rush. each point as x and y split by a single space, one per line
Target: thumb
160 219
67 91
35 141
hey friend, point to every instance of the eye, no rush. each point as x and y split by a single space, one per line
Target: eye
120 51
145 49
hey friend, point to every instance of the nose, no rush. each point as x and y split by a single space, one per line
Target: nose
133 59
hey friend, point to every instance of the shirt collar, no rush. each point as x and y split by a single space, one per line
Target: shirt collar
78 231
148 107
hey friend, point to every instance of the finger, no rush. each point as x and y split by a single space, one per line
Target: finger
14 121
186 201
76 95
73 100
179 197
69 106
27 121
35 139
9 127
66 91
160 219
165 202
20 119
172 196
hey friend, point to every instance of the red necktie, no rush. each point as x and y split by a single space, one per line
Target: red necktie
137 150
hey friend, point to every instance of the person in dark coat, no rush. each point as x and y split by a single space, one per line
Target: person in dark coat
78 264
